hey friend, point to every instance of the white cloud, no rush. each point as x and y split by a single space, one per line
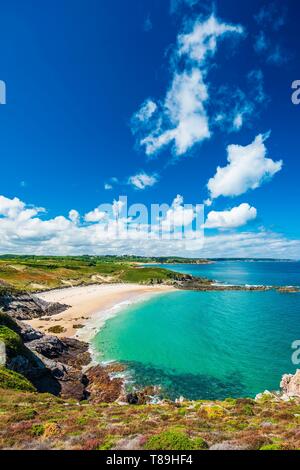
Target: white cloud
184 106
95 216
10 207
248 167
74 216
181 118
201 42
142 180
260 244
233 218
24 232
107 186
146 111
238 121
117 207
178 215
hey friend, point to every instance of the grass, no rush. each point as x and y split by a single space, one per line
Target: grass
13 342
25 273
12 380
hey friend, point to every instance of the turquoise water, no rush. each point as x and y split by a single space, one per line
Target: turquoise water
237 272
210 344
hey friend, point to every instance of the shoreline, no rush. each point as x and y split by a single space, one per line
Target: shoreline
90 307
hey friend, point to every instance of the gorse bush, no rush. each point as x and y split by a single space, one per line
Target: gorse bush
174 440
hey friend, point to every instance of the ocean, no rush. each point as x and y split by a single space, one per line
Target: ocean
210 345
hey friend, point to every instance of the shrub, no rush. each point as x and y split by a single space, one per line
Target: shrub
248 410
230 401
12 341
57 329
37 430
50 430
214 412
174 440
13 380
107 444
271 447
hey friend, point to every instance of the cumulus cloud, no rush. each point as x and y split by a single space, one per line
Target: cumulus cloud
95 216
233 218
10 207
181 119
178 215
142 180
24 231
74 216
248 167
261 244
184 105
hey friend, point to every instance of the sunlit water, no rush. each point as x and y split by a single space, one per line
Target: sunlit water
210 344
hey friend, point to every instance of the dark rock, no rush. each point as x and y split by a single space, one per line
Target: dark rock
142 397
132 398
26 306
76 353
28 333
48 346
73 385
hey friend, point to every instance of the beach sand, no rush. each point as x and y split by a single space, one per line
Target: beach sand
91 306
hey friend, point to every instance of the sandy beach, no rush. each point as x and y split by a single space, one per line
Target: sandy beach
91 306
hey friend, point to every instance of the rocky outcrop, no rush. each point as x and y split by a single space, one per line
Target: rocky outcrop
290 384
50 347
101 386
25 306
56 365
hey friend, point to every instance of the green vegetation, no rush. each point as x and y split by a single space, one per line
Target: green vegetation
34 420
13 342
32 273
57 329
6 320
175 440
271 447
12 380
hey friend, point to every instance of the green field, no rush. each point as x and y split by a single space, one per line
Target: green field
34 273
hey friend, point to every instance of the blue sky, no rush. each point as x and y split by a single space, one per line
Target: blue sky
82 79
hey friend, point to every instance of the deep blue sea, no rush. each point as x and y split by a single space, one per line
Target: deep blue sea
211 344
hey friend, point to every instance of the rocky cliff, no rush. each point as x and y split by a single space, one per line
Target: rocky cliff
24 306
